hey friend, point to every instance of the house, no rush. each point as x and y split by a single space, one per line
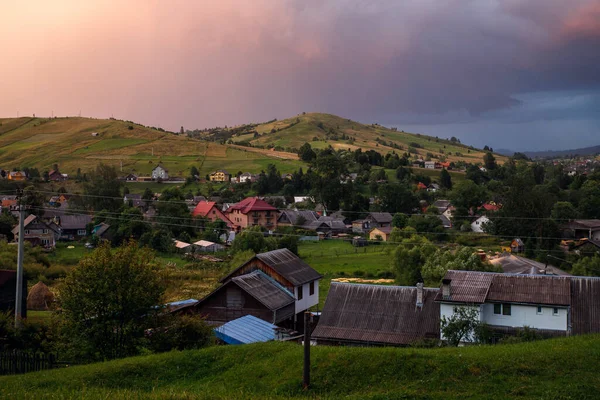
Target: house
421 186
56 176
302 199
378 220
552 305
9 202
443 207
205 246
182 247
377 315
131 178
17 176
220 176
517 246
286 177
586 247
380 233
38 232
582 228
253 211
209 210
446 222
73 227
479 223
360 226
102 231
430 164
434 187
275 286
134 200
327 225
246 177
160 173
297 218
512 264
490 206
8 292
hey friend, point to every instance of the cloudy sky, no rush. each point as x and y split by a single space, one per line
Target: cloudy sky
517 74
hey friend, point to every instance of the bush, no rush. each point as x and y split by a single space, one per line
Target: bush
180 332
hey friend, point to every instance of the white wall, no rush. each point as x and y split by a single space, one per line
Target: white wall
522 315
307 300
447 310
477 225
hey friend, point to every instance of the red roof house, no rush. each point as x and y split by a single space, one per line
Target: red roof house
209 210
253 211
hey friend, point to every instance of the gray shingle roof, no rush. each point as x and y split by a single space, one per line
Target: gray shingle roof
264 289
378 314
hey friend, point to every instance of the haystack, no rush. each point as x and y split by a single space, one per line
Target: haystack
40 297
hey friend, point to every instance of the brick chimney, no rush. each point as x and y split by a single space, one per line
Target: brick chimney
420 294
446 289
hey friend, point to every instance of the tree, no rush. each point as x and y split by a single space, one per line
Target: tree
445 179
108 299
464 326
306 153
562 212
489 161
463 258
397 198
468 195
399 220
587 266
7 223
103 191
194 172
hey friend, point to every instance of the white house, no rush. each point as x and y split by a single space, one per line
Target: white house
430 164
477 225
246 177
506 302
159 172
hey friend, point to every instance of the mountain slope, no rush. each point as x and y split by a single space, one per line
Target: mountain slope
557 369
322 130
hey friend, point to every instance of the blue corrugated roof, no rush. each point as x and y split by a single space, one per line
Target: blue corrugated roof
246 329
182 302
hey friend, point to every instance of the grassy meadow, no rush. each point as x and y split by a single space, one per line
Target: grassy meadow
552 369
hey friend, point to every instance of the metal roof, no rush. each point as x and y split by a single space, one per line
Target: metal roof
585 305
534 289
512 264
467 286
247 329
381 217
264 289
75 221
290 266
378 314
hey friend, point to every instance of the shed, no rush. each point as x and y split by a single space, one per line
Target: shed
208 247
246 329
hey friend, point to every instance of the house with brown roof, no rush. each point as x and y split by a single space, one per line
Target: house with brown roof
56 176
376 315
380 234
275 286
17 176
297 218
582 228
253 211
552 305
38 232
219 176
210 210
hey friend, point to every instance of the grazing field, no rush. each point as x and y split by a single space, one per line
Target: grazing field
552 369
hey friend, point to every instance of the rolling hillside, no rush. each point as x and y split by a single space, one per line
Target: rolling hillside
322 130
75 142
72 143
553 369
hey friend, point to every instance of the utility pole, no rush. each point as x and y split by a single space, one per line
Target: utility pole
306 375
19 295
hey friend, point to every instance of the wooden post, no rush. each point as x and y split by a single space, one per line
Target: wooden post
306 375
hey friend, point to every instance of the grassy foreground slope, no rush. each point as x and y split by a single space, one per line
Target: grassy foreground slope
69 142
554 369
322 130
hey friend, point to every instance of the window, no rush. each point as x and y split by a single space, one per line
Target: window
300 294
27 231
539 310
81 232
555 311
45 231
311 288
506 309
498 309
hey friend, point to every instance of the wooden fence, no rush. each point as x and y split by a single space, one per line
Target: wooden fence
20 362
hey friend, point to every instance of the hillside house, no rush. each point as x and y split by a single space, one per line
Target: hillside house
38 232
210 210
444 207
247 177
380 234
73 227
253 211
275 286
131 178
297 218
327 225
582 228
220 176
205 246
429 164
17 176
378 220
160 173
553 305
102 231
479 223
8 292
134 200
376 315
56 176
446 222
360 226
517 246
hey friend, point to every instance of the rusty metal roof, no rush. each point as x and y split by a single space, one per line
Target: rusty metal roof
467 286
585 305
290 266
378 314
512 264
264 289
534 289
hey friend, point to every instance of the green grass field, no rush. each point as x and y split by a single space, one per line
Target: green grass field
552 369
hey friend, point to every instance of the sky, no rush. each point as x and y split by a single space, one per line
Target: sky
513 74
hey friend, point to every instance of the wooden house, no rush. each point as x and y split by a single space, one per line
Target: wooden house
38 232
517 246
383 233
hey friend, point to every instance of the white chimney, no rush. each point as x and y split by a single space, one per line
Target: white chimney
420 294
446 289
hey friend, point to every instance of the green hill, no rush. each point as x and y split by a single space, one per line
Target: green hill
84 142
322 130
553 369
